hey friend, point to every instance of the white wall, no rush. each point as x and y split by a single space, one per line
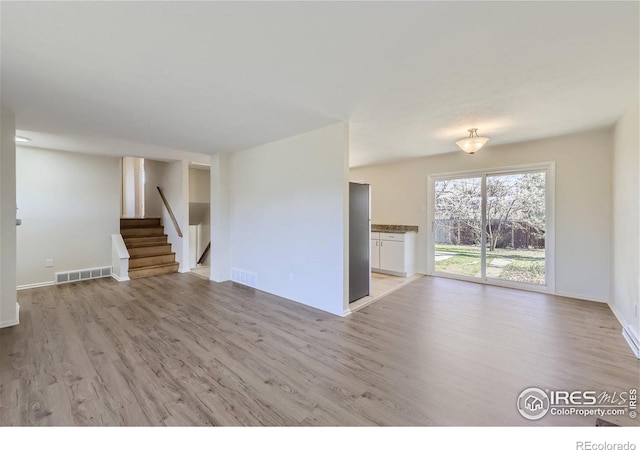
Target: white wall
175 185
287 216
625 246
8 299
583 198
199 189
70 206
128 187
132 188
220 217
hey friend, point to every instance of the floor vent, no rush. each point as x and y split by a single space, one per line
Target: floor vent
244 277
84 274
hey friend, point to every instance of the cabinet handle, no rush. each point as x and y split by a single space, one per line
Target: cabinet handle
381 242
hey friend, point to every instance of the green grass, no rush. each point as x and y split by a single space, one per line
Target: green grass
524 271
461 264
527 265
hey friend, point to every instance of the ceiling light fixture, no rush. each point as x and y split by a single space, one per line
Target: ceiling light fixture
22 139
473 143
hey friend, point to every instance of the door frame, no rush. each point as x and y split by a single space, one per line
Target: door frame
550 247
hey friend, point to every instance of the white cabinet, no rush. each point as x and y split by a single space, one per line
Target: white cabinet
393 253
375 253
392 256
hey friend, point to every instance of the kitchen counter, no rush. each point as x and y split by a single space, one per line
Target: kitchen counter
393 249
394 228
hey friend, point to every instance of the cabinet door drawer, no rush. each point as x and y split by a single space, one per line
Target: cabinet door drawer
375 253
392 236
375 235
392 256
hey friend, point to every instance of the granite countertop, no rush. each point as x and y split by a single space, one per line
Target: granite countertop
393 228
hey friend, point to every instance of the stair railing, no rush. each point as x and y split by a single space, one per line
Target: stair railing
119 258
173 217
205 253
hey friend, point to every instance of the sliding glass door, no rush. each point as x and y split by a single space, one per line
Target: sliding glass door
516 227
493 226
458 226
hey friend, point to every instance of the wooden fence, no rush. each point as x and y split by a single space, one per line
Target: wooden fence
511 234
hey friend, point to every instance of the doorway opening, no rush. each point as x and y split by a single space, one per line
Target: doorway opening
199 220
494 226
133 180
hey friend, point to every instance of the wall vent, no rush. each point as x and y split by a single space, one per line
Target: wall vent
84 274
244 277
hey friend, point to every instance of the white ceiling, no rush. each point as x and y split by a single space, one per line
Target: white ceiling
161 77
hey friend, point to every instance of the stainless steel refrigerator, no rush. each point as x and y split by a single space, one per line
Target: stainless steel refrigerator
359 241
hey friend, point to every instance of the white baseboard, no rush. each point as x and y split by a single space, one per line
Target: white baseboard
632 340
616 313
579 297
14 322
35 285
627 332
119 279
391 272
346 312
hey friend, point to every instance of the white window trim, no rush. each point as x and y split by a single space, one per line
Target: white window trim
550 231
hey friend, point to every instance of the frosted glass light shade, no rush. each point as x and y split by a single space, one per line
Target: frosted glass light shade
472 144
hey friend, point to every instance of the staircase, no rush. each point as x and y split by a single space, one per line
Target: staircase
150 253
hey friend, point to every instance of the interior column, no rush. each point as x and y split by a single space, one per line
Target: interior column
220 254
8 296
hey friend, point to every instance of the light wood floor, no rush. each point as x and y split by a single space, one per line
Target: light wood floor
202 272
180 350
